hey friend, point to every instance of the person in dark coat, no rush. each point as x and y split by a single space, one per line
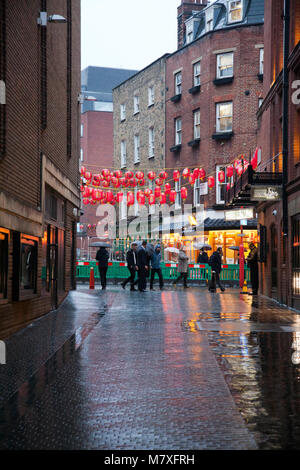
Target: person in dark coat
143 266
102 257
155 259
131 259
215 262
202 257
252 262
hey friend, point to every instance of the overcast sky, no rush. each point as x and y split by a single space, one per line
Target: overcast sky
128 34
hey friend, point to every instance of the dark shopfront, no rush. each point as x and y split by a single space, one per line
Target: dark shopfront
296 261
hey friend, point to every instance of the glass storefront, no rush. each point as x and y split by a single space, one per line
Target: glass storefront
3 263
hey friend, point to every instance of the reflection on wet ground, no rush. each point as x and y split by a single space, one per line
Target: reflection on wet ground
258 353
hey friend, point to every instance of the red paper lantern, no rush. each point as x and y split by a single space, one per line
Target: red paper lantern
163 175
176 175
227 186
142 199
105 184
124 182
118 174
172 195
254 161
163 198
211 181
88 176
167 188
129 174
132 182
139 175
184 192
151 199
221 176
229 171
148 192
196 173
130 198
86 201
105 172
157 191
186 173
202 173
192 179
138 194
159 181
109 196
119 197
82 171
141 182
151 175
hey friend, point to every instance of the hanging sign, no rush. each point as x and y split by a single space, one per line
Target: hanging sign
239 214
266 193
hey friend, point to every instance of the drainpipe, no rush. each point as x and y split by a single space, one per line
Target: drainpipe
285 109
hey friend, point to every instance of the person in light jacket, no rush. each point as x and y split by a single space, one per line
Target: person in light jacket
182 267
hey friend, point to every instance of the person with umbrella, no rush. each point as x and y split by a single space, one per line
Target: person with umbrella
155 259
202 257
182 268
131 259
102 257
143 266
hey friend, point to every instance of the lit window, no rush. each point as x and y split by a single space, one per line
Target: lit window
197 73
178 131
123 153
150 95
151 142
136 104
225 65
197 124
136 149
123 111
178 79
235 11
28 264
224 117
261 61
178 194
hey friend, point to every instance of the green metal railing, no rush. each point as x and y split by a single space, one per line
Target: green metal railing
197 272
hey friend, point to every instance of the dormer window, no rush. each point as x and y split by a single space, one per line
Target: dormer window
235 11
189 31
209 20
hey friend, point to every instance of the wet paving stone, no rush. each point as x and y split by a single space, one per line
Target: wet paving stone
130 370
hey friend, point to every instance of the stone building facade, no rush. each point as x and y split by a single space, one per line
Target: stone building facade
39 157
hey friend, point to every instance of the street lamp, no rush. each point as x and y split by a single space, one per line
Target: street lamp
44 19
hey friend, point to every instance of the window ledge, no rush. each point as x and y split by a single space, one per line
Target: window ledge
137 112
195 89
150 105
223 81
152 156
222 135
122 120
175 148
176 98
194 142
260 77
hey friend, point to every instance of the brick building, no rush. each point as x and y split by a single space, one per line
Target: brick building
39 156
139 122
96 143
214 87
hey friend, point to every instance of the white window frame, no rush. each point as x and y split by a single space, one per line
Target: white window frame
220 185
136 148
136 104
232 7
178 131
197 195
218 118
81 154
197 73
151 143
150 95
178 83
123 111
219 59
123 205
123 154
209 19
178 193
261 61
189 31
81 130
197 129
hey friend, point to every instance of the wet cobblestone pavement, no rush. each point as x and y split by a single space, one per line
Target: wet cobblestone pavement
177 369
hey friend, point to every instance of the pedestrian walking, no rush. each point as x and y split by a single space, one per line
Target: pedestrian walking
143 266
131 259
182 268
102 257
252 262
202 257
155 260
215 262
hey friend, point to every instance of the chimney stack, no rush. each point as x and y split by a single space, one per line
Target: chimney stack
184 11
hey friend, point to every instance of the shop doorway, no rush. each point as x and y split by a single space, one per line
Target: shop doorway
52 265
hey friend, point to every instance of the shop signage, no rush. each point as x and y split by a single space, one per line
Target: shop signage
239 214
266 193
203 189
